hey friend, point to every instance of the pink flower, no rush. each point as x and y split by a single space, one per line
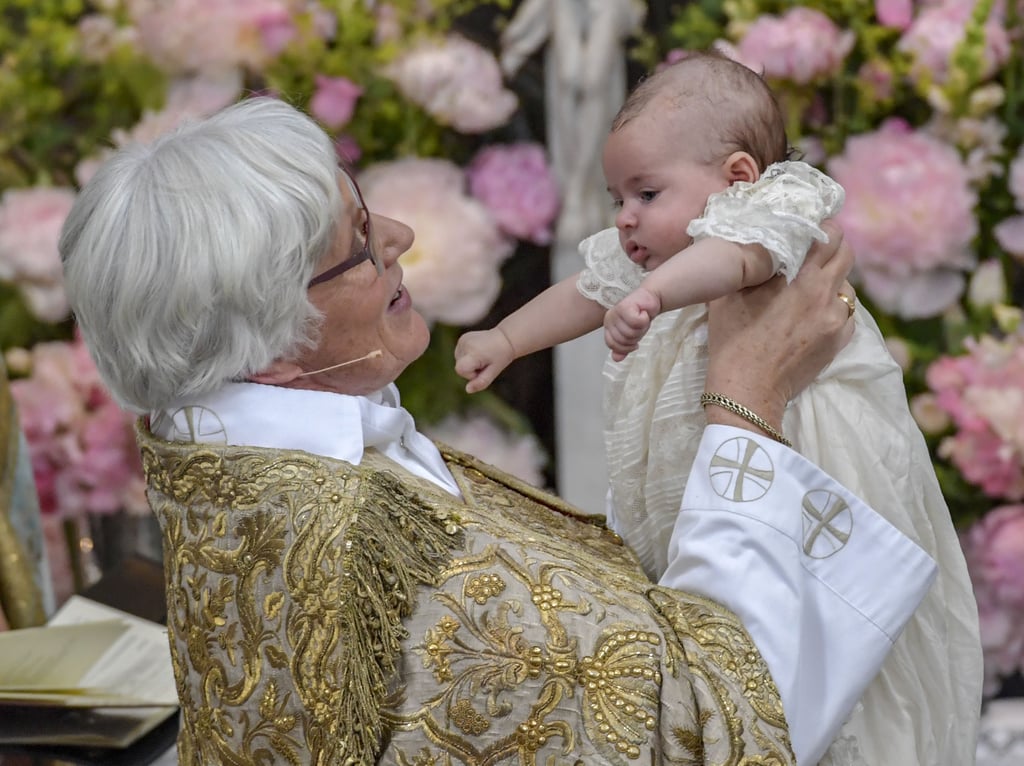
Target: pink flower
909 215
518 454
515 182
1009 234
30 223
190 36
81 444
983 393
937 31
894 13
994 549
458 82
452 269
334 101
802 45
1015 179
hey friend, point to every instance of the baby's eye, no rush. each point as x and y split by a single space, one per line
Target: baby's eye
616 204
647 195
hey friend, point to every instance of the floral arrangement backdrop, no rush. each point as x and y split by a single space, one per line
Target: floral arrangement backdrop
915 106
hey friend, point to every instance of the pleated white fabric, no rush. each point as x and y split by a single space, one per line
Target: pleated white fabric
854 422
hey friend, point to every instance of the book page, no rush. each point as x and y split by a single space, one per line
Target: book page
137 664
54 658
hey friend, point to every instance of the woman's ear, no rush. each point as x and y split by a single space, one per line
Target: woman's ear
740 166
277 373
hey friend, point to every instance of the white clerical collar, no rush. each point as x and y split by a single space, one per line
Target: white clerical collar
321 422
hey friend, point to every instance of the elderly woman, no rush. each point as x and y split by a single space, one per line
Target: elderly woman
342 590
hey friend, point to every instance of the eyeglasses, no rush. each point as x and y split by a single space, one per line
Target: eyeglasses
362 241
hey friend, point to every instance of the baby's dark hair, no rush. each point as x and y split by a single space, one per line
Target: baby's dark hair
710 89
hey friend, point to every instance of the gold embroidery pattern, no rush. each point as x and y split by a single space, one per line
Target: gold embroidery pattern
327 614
286 598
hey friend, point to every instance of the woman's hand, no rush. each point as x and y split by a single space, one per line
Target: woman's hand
767 343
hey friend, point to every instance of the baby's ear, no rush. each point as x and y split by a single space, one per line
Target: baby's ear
740 166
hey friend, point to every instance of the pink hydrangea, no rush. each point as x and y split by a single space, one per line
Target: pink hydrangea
938 29
457 81
452 269
515 182
909 215
518 454
802 45
994 549
983 393
30 223
334 101
81 444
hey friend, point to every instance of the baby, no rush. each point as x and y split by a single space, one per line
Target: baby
695 163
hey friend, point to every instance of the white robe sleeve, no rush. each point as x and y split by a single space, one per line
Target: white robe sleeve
822 582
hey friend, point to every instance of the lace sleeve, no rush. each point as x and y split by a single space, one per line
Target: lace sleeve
609 275
782 210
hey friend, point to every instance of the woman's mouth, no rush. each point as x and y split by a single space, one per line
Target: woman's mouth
400 300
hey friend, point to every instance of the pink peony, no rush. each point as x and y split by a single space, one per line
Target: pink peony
30 223
802 45
983 393
191 36
994 549
81 444
518 454
935 34
1015 179
458 82
515 183
452 268
1009 234
334 101
894 13
909 215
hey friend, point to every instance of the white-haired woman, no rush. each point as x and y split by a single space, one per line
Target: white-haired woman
341 590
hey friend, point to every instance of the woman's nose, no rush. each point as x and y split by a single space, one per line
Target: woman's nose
392 238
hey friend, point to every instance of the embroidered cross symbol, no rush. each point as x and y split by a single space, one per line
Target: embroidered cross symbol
828 523
197 425
741 471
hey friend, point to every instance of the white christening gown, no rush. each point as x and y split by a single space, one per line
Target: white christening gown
853 421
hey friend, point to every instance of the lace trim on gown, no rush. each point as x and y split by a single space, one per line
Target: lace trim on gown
781 211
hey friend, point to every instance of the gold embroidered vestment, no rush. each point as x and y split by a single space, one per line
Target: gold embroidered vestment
323 613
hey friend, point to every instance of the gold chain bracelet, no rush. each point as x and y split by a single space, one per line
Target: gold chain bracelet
747 414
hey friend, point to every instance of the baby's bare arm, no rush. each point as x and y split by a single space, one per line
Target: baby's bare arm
706 270
557 315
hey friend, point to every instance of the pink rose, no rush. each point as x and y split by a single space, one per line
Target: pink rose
515 182
997 543
334 101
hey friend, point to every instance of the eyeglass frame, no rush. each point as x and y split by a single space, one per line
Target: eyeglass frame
366 254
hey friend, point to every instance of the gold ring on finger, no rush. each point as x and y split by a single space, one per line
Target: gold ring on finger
850 304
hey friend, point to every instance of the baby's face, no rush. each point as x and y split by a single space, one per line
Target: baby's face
657 186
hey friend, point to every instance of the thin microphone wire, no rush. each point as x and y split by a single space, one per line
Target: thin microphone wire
372 355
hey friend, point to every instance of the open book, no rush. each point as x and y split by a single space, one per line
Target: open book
93 676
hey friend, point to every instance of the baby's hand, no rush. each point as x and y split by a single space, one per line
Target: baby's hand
481 356
628 321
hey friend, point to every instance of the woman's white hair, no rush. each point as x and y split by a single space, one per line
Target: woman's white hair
186 261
